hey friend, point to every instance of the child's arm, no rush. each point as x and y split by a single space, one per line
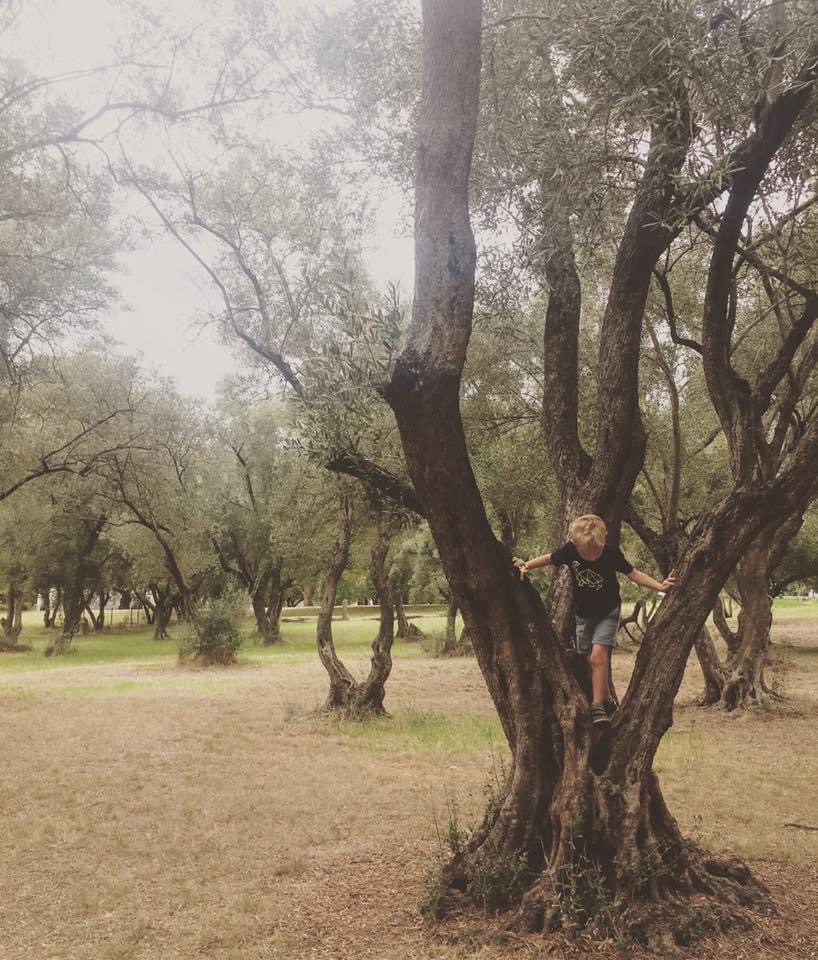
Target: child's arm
525 565
643 580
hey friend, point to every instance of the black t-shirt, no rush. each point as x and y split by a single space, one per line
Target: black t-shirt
596 589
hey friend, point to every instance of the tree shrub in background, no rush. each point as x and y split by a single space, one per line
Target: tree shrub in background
213 635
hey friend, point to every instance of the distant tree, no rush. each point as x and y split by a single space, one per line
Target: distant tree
154 485
268 509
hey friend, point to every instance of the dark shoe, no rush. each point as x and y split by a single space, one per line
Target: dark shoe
599 718
611 706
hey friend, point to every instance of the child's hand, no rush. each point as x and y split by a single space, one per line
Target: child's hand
521 566
668 582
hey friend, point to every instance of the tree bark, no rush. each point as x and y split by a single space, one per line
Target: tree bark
98 619
450 638
267 611
54 610
74 603
712 670
268 604
373 690
341 681
582 809
159 610
730 637
357 699
406 629
738 681
13 626
162 612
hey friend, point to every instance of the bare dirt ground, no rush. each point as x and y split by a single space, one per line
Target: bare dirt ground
154 813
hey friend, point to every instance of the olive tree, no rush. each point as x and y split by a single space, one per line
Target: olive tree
580 808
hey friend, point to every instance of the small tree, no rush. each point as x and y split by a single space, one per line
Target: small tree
213 635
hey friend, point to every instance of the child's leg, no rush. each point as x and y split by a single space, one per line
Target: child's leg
612 697
600 672
604 640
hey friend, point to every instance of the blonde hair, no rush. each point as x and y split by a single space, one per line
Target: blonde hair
588 530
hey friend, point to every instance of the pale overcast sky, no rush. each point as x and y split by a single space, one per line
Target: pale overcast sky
164 293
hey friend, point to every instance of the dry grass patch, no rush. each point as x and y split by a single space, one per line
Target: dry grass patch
156 813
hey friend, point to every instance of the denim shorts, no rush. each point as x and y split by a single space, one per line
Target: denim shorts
591 631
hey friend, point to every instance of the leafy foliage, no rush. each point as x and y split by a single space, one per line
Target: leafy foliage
214 633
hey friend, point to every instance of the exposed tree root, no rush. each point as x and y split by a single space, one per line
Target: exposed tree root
410 633
357 705
711 895
14 647
618 868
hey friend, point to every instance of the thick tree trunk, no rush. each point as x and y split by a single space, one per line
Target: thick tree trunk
268 618
402 620
162 612
341 682
581 821
13 625
373 690
268 605
74 603
738 681
406 629
607 827
17 619
354 698
50 620
450 638
99 622
98 619
10 632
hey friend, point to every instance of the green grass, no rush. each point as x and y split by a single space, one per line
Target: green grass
790 608
679 751
369 613
417 732
353 638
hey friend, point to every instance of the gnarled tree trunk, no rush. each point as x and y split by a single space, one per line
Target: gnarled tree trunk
341 681
353 697
13 625
268 604
162 611
74 603
98 619
268 619
582 814
373 689
158 608
450 634
738 680
406 629
52 610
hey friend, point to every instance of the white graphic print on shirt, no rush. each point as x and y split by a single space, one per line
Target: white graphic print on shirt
587 578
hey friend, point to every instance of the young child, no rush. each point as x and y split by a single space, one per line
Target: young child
594 565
